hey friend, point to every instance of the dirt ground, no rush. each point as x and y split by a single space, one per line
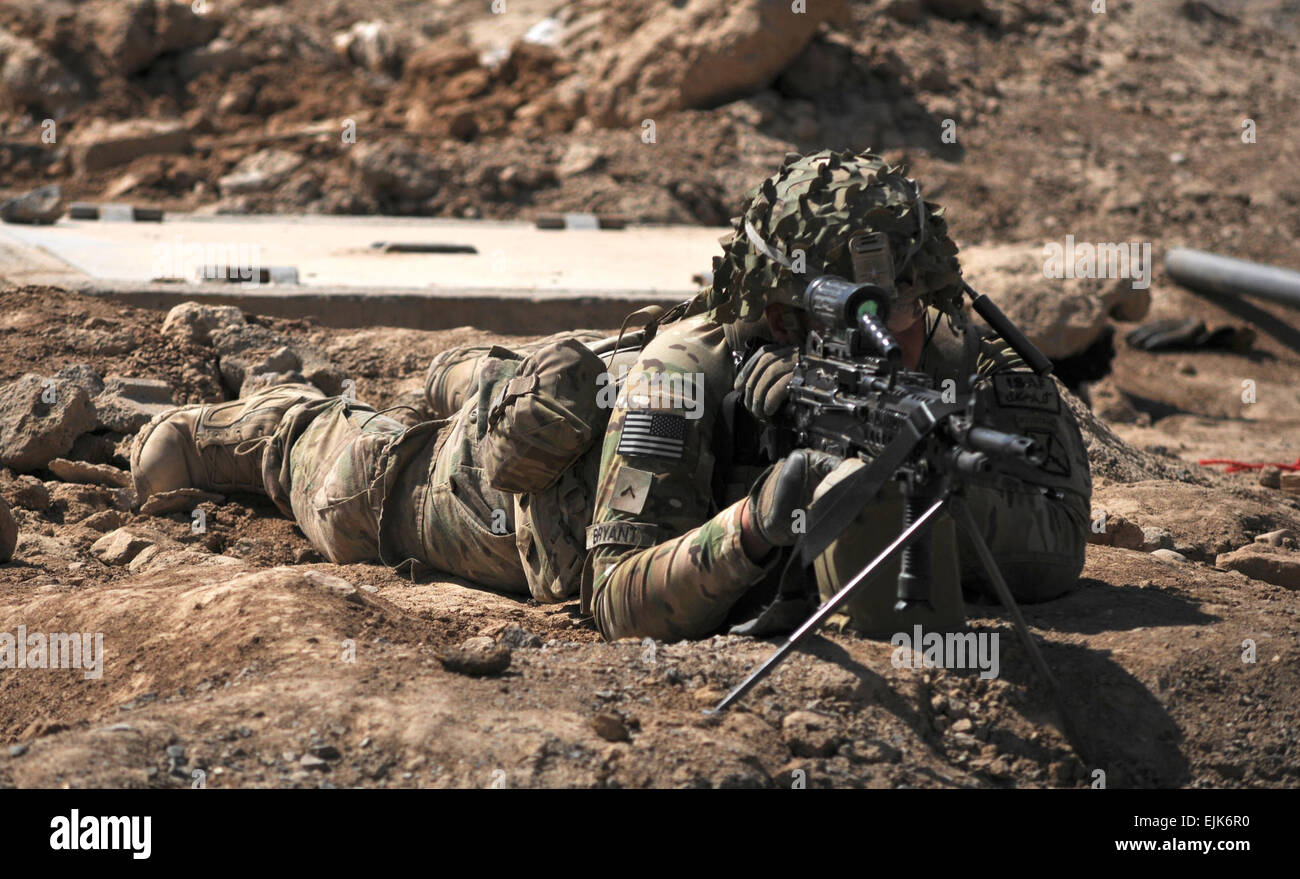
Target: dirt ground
222 645
225 648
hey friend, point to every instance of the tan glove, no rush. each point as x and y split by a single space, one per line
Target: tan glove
764 381
786 487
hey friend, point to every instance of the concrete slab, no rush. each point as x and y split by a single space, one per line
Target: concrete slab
338 252
519 277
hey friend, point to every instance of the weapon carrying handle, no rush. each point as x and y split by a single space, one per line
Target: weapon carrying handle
1002 325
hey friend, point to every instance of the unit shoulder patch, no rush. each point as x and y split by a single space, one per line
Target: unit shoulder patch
1026 390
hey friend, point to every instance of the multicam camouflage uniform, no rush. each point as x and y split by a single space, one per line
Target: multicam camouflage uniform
666 559
648 522
363 486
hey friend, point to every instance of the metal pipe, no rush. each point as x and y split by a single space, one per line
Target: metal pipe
1216 275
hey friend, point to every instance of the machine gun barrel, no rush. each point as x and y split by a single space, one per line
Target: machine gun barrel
1005 445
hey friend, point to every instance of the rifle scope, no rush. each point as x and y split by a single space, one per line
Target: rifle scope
835 305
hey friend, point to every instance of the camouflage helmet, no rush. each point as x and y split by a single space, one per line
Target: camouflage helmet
815 204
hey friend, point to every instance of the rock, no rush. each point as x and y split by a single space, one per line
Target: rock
132 34
40 206
104 145
694 55
610 727
263 380
1168 555
1290 483
477 657
220 56
517 638
27 492
1270 477
119 547
105 521
579 158
311 761
260 172
963 725
335 586
34 77
159 557
84 376
394 171
193 322
1276 538
1156 538
325 751
123 32
809 734
251 350
873 751
1260 561
40 419
17 750
1119 532
373 45
180 499
92 474
127 403
8 532
178 27
236 100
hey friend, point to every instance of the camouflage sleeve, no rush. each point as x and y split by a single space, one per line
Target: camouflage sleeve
663 562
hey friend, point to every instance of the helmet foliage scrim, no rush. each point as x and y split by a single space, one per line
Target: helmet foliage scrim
815 204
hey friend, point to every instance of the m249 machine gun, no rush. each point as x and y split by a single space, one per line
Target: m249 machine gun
851 397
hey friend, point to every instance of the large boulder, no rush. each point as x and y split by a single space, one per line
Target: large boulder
260 172
41 206
1062 316
104 145
194 322
251 350
33 77
699 54
127 403
396 171
40 419
119 547
376 46
1261 561
131 34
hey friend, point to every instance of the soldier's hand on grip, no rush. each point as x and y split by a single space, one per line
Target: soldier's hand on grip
764 380
785 488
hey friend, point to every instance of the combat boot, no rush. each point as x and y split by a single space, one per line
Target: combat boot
215 447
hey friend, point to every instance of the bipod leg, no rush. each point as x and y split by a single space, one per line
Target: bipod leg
911 533
961 513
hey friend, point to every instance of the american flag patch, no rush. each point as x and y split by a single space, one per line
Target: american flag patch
662 434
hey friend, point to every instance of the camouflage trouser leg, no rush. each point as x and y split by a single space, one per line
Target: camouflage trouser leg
328 468
452 377
1037 542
